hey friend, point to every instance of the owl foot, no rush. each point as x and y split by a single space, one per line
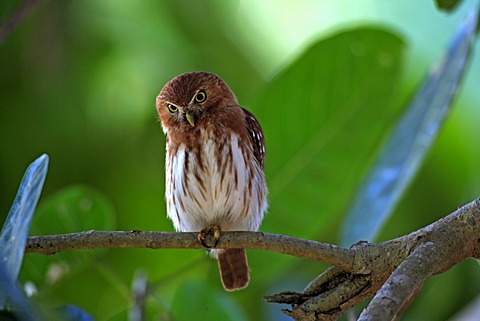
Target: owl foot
206 234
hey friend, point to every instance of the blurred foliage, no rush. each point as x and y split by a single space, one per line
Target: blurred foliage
327 81
410 140
8 316
72 209
447 5
339 85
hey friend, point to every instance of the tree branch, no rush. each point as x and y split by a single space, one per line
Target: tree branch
332 254
411 274
357 273
453 238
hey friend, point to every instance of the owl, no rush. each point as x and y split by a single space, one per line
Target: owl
214 167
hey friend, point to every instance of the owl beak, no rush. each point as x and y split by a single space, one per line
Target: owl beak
190 118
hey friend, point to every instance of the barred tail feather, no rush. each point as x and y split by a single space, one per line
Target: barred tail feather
233 267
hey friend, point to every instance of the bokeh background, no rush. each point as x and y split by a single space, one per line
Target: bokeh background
78 81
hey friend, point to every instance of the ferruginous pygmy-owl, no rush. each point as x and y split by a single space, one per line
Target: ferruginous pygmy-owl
214 165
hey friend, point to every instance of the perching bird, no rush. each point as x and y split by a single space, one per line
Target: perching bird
215 155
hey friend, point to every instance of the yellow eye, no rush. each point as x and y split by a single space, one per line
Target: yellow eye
201 96
172 108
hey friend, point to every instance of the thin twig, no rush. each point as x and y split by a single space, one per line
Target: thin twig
140 294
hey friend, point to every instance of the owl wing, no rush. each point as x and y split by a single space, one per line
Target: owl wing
256 136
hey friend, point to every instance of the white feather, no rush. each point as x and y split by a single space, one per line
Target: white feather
221 203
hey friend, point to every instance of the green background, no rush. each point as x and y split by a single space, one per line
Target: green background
327 80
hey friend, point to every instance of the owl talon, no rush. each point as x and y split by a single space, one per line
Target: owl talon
211 230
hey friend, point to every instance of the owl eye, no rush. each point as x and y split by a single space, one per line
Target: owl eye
201 96
172 108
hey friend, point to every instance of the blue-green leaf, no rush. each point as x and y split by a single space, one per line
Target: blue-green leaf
22 309
409 142
17 225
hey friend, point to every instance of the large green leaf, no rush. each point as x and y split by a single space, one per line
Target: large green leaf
334 101
409 142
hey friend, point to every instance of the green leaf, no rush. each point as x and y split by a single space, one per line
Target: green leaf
13 236
409 142
73 209
333 101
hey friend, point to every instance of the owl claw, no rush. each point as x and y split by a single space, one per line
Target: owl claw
211 230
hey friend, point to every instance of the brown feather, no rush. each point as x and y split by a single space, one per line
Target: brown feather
233 268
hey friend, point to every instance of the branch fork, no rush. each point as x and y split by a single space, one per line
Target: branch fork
392 272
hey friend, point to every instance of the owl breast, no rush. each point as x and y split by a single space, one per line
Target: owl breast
218 183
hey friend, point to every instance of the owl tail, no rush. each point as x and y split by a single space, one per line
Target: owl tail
233 267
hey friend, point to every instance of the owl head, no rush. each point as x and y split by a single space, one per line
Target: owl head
187 99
